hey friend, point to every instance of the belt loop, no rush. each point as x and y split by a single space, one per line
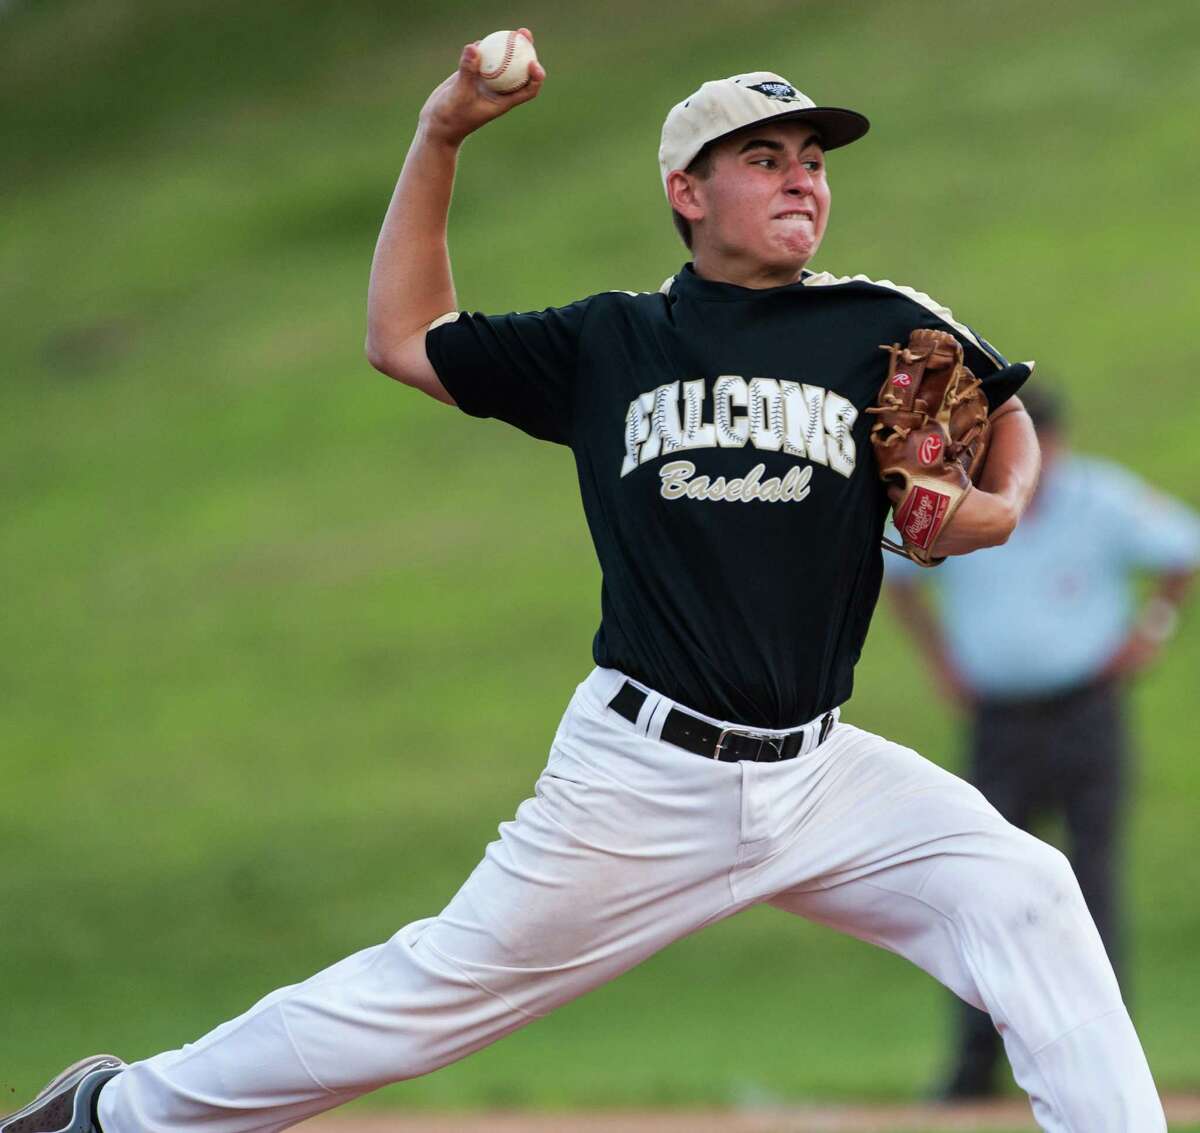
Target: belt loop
659 710
826 728
646 713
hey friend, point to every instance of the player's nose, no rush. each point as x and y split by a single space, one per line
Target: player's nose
798 179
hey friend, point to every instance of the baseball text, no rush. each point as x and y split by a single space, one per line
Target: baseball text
777 416
679 480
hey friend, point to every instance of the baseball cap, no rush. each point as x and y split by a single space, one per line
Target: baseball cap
724 106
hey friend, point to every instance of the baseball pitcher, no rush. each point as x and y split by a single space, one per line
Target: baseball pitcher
733 492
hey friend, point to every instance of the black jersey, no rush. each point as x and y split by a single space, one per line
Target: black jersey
729 486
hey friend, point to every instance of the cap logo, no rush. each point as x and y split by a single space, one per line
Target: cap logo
781 91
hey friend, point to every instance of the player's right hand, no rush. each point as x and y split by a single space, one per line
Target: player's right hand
462 103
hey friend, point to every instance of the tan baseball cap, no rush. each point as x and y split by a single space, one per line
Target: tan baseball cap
724 106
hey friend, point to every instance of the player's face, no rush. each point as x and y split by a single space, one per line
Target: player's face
766 201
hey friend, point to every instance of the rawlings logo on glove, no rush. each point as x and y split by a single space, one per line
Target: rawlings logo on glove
930 438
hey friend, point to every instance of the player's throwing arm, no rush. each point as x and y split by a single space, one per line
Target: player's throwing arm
411 283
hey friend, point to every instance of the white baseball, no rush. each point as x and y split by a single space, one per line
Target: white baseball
504 58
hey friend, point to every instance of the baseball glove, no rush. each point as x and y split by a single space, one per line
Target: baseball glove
930 438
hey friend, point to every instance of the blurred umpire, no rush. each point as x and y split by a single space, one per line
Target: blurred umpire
1042 666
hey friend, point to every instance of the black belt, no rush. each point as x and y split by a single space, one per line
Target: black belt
729 745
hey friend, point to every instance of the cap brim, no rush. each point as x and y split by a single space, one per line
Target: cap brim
837 126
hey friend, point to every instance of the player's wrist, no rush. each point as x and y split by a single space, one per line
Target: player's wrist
438 137
983 519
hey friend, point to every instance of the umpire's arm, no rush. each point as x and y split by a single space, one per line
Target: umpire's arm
989 513
411 285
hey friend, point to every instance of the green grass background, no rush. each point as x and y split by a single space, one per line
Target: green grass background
285 641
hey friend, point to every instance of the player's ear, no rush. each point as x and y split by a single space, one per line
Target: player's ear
686 194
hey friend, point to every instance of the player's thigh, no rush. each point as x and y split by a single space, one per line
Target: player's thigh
861 803
983 910
916 860
613 858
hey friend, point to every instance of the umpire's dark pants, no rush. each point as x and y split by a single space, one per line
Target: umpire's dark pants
1063 756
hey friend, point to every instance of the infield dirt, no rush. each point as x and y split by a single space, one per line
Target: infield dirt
1007 1114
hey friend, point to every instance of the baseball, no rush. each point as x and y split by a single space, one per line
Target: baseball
504 58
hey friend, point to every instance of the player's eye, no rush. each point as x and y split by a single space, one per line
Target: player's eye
813 165
765 162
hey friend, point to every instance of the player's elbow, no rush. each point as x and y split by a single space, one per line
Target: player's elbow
406 362
996 538
378 356
395 359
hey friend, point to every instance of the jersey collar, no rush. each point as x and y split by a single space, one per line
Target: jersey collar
692 286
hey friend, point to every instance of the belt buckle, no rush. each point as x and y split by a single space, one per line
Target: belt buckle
775 743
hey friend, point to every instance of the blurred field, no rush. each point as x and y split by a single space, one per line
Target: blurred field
284 641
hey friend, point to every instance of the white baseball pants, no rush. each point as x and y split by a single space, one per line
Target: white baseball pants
630 843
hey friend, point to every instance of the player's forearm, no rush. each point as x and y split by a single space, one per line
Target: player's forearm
411 283
1014 458
989 515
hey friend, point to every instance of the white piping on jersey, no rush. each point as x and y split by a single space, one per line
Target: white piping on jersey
828 279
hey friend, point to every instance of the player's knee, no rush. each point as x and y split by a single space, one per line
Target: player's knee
1032 887
1050 862
1048 872
1011 880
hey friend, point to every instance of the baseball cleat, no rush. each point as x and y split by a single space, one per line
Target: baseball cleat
66 1105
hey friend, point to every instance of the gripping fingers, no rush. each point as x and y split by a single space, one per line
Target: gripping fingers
537 74
463 102
469 66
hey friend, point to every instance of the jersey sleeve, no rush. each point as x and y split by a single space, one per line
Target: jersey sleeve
1001 378
1149 530
518 368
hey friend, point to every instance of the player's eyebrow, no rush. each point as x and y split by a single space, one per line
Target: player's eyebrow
778 147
